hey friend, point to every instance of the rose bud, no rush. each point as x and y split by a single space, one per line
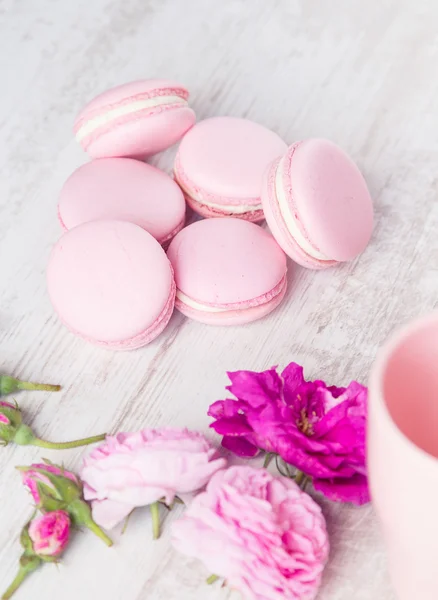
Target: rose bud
44 539
54 488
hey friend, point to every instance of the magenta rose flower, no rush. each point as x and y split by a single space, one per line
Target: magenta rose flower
138 469
50 533
261 533
319 429
44 539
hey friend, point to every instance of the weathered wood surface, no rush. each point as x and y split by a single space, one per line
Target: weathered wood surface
364 75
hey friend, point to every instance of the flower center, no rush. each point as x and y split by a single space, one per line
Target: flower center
304 424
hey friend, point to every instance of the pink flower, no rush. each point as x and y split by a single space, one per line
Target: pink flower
43 539
50 533
5 408
10 422
54 488
138 469
320 430
36 480
261 533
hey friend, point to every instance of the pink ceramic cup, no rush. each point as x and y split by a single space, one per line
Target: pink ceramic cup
403 455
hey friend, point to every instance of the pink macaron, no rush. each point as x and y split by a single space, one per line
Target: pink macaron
220 166
227 271
111 283
123 189
317 204
135 119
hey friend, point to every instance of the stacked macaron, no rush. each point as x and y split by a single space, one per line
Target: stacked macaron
109 277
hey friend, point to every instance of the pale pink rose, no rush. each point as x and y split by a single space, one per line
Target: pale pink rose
50 533
261 533
137 469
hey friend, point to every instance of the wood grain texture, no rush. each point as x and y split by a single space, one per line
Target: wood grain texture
364 75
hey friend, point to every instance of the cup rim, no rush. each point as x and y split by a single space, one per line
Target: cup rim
396 338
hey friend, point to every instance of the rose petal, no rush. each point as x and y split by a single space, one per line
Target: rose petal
240 446
354 489
255 388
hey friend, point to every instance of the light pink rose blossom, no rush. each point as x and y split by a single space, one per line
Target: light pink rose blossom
50 533
131 470
261 533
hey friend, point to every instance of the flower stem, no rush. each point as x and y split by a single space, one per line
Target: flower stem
300 478
81 514
211 579
9 385
45 387
94 527
155 520
269 456
28 564
66 445
125 524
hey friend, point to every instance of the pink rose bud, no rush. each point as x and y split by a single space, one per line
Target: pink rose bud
54 488
9 385
50 485
43 539
50 533
10 421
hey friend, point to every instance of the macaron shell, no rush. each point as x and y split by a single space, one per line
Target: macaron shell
278 227
225 157
126 90
111 283
141 134
226 262
125 190
331 198
240 316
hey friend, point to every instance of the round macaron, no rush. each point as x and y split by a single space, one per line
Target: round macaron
111 283
220 165
317 204
135 119
227 271
126 190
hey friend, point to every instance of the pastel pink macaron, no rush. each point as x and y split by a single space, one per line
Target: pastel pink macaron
135 119
126 190
317 204
227 271
220 166
111 283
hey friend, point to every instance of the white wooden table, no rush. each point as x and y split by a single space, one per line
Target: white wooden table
364 75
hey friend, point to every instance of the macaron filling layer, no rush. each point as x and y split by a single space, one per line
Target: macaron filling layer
288 216
232 206
234 209
209 308
127 108
197 305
